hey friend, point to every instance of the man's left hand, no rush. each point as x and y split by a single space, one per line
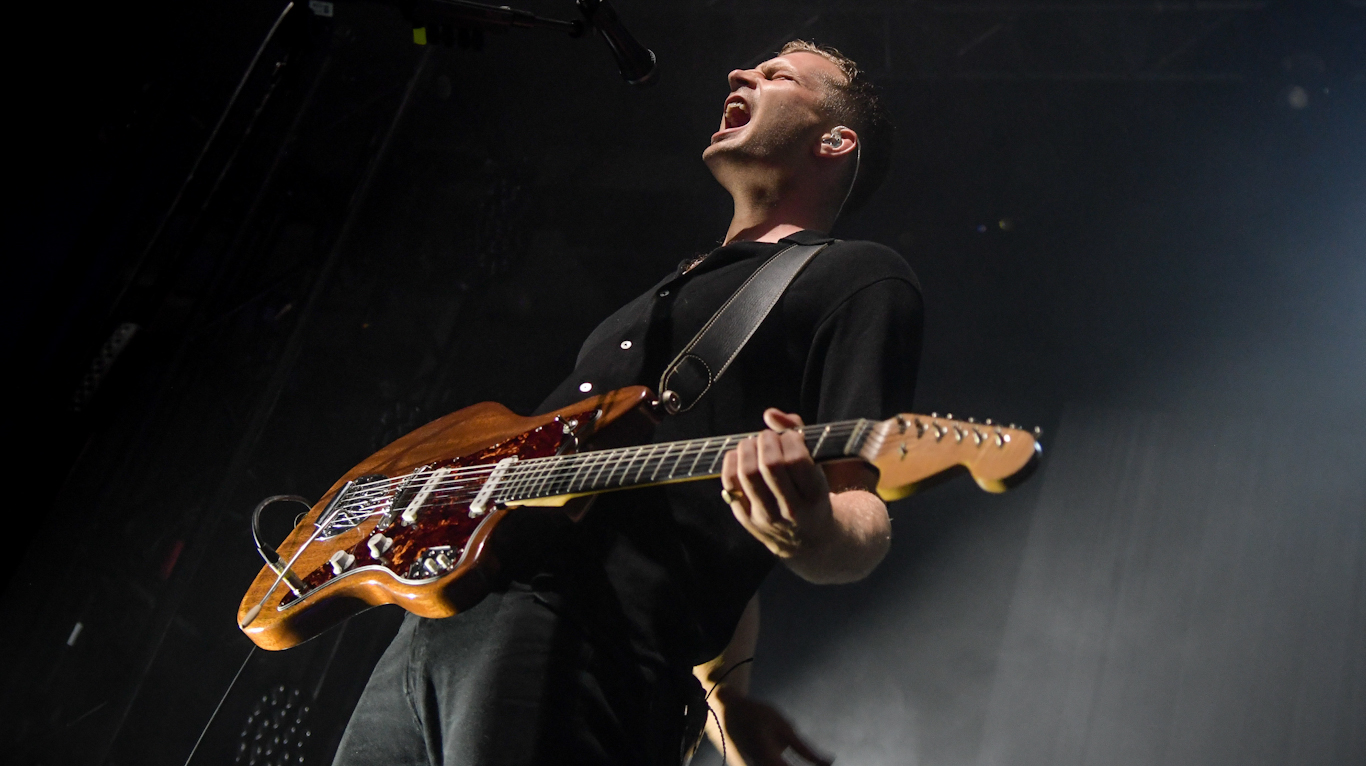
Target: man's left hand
779 494
777 491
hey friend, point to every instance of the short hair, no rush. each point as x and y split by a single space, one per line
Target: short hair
854 103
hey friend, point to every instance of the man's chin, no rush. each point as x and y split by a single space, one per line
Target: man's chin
723 144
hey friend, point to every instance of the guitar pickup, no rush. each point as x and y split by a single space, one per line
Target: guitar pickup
402 499
411 508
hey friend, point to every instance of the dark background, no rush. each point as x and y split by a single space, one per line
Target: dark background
1141 226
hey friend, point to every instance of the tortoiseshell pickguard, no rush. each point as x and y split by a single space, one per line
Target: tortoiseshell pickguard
444 518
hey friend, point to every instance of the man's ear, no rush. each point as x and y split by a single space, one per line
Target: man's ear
839 142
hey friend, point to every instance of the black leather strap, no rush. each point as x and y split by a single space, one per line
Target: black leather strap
707 356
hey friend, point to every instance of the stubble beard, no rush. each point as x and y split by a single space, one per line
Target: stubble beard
773 146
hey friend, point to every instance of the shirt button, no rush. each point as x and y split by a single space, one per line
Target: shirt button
664 293
585 387
625 345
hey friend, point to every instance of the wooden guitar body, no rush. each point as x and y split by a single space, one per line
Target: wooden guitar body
437 563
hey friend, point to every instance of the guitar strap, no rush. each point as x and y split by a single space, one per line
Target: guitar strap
708 355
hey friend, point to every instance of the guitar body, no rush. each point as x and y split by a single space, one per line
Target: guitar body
361 551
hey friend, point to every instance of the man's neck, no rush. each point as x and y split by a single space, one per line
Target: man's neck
769 212
771 225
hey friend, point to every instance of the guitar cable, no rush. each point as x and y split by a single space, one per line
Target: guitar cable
271 556
250 653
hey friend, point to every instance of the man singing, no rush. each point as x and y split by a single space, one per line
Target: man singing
615 643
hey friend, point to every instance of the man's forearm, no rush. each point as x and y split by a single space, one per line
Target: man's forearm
847 549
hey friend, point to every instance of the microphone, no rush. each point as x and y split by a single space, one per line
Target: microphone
636 62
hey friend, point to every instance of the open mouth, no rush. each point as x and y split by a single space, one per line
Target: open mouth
736 113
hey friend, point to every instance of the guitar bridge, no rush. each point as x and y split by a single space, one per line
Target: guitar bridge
356 502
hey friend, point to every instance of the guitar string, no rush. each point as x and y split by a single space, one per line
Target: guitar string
551 470
543 477
841 429
466 473
456 475
548 470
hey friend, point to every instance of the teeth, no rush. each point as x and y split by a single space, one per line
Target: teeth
736 113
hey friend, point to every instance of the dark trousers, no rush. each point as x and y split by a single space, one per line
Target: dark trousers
514 682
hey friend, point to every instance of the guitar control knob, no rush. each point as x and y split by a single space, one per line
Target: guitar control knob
341 561
378 544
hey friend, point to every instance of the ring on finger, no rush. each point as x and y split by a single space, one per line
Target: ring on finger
731 495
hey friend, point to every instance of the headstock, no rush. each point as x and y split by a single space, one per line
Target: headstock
911 450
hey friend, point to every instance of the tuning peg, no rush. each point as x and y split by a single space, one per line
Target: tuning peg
987 421
934 414
970 420
1038 432
1014 427
949 416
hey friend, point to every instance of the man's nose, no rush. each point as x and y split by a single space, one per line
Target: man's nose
739 78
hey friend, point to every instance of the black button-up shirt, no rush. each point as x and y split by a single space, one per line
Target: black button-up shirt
843 342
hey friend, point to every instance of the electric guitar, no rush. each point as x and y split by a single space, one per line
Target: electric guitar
412 524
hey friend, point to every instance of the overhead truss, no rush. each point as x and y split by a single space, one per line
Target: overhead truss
1211 41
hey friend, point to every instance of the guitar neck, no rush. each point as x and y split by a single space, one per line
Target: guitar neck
588 473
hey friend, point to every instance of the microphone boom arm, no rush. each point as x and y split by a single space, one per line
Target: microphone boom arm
483 16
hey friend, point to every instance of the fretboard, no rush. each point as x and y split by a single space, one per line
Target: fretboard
663 463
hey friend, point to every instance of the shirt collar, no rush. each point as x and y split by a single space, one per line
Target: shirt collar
739 251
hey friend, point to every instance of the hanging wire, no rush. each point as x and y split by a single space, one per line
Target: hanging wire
268 553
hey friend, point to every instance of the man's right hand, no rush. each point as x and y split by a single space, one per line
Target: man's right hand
758 733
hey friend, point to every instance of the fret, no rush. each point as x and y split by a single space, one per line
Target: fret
677 459
565 476
507 488
600 464
720 453
635 456
634 462
667 447
816 450
603 463
584 462
620 461
521 479
645 461
617 461
627 466
860 427
627 461
701 450
535 476
552 465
